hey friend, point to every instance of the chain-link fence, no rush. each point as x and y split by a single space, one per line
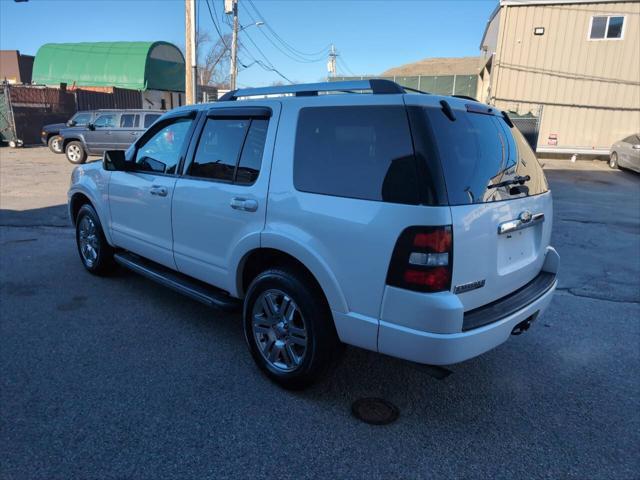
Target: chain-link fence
440 85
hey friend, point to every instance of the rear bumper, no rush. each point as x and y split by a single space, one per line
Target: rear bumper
493 324
445 349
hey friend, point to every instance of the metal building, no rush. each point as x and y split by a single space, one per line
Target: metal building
154 68
573 65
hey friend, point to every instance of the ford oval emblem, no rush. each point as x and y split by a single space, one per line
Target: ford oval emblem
525 217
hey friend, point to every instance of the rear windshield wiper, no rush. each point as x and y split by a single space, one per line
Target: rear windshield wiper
517 180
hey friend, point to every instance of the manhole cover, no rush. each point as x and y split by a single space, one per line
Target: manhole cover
375 411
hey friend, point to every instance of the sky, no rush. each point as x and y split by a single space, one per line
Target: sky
370 36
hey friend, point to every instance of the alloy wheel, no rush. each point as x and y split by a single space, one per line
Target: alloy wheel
74 153
279 330
88 241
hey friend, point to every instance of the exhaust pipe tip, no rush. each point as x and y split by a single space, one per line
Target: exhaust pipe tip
524 325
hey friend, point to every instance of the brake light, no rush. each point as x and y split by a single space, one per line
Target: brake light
422 259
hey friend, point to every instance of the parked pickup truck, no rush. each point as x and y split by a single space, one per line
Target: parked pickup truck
111 129
50 134
413 225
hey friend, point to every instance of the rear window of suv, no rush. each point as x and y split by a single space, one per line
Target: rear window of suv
477 151
362 152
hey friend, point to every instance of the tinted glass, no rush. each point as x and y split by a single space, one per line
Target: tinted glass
251 157
149 118
356 152
615 27
161 153
479 151
105 121
598 26
82 119
219 148
129 120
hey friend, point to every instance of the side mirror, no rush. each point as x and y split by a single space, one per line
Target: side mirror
115 161
71 123
91 126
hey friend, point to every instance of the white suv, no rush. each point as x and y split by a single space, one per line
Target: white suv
405 223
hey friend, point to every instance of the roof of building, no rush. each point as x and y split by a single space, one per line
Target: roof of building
134 65
437 66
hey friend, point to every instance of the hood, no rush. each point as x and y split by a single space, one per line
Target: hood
54 127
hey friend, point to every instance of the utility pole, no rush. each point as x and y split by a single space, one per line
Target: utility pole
234 47
331 63
191 67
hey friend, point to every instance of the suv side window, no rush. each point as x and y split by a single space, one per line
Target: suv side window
149 118
363 152
161 152
230 150
129 120
105 121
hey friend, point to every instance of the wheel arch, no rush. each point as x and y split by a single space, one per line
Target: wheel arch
80 197
258 259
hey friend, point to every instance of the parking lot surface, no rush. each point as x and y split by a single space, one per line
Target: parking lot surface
120 378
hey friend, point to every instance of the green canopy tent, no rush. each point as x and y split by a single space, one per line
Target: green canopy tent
133 65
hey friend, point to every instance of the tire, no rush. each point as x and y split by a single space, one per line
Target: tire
75 152
95 252
55 144
296 342
613 160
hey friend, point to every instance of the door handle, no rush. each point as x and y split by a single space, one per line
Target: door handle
247 205
158 191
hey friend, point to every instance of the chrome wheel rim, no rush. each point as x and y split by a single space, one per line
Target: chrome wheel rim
55 144
612 161
88 241
279 330
74 153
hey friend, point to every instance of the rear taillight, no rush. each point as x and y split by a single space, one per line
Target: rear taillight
422 259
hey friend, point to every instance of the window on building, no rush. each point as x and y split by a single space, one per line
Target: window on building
606 27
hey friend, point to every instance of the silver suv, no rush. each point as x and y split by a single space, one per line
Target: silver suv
356 213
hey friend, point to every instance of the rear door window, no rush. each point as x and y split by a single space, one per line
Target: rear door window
363 152
129 120
230 150
479 151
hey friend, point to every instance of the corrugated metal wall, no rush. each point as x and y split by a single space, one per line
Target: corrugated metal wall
33 107
114 98
590 90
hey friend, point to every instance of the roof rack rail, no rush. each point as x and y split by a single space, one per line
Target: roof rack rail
465 97
377 86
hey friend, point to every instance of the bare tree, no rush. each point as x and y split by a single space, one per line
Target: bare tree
213 59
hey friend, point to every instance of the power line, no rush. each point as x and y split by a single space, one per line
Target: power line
278 47
215 24
293 56
345 67
289 47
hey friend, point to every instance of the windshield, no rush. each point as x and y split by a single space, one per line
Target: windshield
483 159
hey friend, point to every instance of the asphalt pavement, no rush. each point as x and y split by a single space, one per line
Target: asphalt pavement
120 378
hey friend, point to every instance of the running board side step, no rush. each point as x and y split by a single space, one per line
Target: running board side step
179 282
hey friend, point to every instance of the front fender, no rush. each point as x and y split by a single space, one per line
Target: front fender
296 248
93 184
